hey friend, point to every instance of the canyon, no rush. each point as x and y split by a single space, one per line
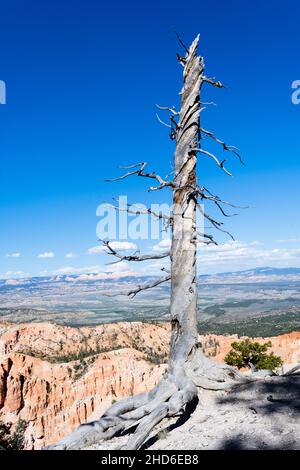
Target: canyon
55 377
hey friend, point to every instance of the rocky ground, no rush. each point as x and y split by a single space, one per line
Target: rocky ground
263 415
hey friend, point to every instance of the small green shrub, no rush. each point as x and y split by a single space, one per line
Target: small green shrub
252 354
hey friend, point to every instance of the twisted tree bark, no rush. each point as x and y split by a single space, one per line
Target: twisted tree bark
188 367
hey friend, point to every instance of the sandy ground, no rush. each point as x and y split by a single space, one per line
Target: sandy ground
261 415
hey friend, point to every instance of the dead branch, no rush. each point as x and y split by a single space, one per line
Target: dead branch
167 108
130 209
133 257
213 82
208 103
182 43
228 148
217 225
140 172
221 201
162 122
211 155
148 285
210 238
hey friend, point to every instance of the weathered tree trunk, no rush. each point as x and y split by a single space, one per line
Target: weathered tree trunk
184 237
187 364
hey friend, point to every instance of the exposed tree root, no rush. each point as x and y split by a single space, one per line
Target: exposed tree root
212 376
143 412
294 370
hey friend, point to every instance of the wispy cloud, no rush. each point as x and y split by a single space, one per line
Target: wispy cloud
71 255
12 276
46 254
100 276
95 269
95 272
163 245
236 255
119 246
15 254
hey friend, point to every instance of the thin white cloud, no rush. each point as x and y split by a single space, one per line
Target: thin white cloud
71 255
95 269
15 254
256 243
46 254
14 273
12 276
163 245
155 267
119 246
73 270
100 276
235 255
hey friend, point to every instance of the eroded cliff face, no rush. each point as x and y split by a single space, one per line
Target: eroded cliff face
56 377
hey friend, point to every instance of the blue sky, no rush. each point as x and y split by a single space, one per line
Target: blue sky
82 82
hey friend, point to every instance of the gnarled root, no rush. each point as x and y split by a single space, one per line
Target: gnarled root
117 418
212 376
143 412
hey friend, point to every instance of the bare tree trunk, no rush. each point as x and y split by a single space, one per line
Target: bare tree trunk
187 361
184 237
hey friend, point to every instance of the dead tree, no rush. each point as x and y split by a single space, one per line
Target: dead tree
188 368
